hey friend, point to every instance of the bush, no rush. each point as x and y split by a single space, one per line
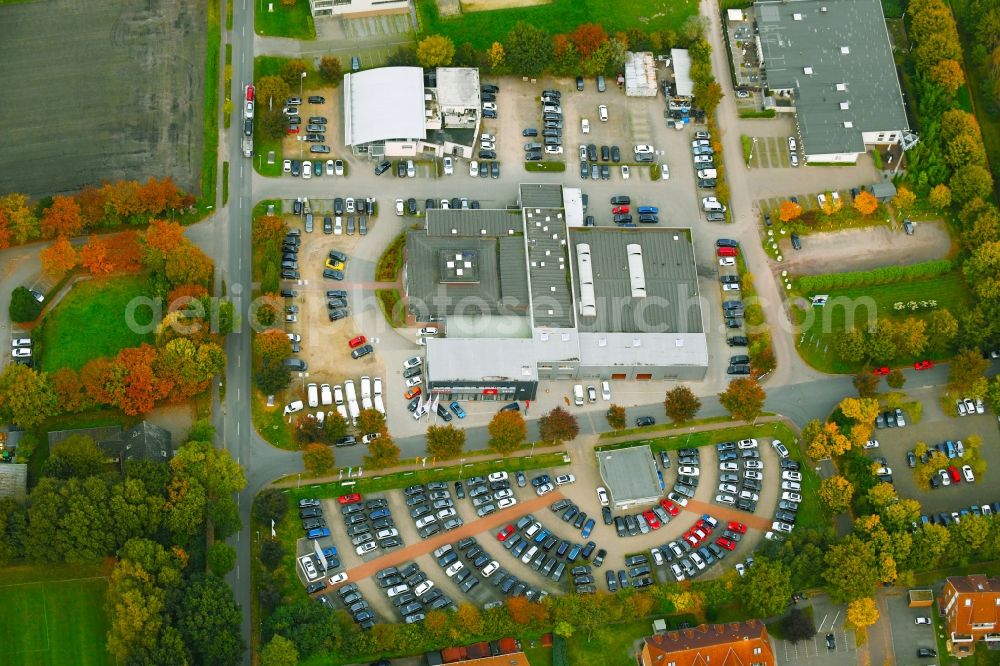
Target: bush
878 276
23 306
391 260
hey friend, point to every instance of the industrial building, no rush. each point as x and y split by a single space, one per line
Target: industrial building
527 294
830 62
410 112
357 8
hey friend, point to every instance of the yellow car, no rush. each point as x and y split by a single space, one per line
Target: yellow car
334 264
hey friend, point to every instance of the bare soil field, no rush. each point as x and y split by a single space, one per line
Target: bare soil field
100 89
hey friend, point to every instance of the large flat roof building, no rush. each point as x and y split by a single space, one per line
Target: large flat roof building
357 8
525 296
406 112
833 60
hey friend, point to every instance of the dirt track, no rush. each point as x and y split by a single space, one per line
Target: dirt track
101 89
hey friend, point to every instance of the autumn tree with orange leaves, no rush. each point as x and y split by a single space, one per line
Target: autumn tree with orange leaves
71 395
59 258
865 203
789 211
62 218
588 37
94 257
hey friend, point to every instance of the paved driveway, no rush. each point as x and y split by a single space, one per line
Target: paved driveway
906 635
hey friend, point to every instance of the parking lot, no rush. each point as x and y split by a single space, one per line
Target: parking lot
907 636
895 442
828 619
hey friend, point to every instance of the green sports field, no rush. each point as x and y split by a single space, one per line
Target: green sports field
54 616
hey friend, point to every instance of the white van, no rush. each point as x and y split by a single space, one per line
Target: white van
578 395
325 395
366 387
313 395
708 173
411 170
338 395
712 205
349 391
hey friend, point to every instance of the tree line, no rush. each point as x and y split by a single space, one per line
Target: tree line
166 599
113 204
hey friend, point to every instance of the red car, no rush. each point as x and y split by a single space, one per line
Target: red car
704 525
954 474
923 365
292 130
884 370
250 92
651 519
726 543
619 210
727 252
353 498
737 527
357 342
670 507
503 534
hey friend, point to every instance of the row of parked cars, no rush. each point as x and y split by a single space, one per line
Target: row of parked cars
621 212
432 508
552 127
542 550
945 518
369 524
359 609
695 551
412 592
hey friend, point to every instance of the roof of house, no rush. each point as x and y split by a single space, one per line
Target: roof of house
682 72
147 441
730 644
984 596
836 56
382 104
511 659
13 480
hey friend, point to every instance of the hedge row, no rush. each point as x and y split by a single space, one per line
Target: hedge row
878 276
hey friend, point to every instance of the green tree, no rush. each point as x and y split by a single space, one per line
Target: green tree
279 652
272 376
942 328
528 49
224 514
23 306
445 441
507 431
744 398
851 570
896 379
558 426
330 69
214 469
616 417
292 71
850 345
77 455
334 427
209 620
435 51
371 421
865 383
221 558
563 629
271 553
862 613
317 459
26 399
681 404
969 182
835 493
798 625
382 453
305 623
993 394
766 588
967 369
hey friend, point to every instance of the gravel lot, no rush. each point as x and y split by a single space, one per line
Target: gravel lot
130 76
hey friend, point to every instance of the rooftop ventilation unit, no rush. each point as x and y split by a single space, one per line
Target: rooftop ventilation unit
588 303
848 124
807 70
796 17
844 50
844 106
637 276
841 87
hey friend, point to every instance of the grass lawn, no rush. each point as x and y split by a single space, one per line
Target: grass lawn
209 155
270 423
810 511
295 21
90 322
61 623
816 344
539 656
481 29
